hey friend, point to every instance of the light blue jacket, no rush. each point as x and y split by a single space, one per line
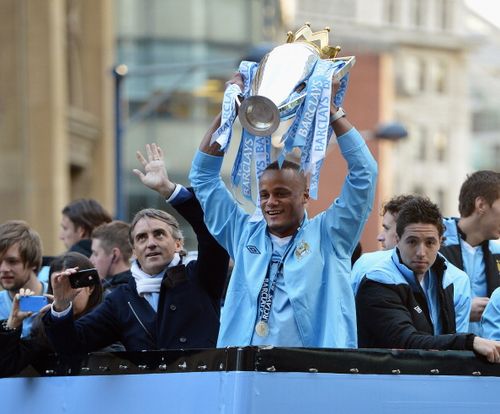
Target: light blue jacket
390 271
365 263
490 321
484 277
317 274
480 278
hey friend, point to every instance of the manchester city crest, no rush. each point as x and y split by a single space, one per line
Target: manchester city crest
302 250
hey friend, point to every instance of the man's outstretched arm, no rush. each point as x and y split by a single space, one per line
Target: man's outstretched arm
205 146
212 258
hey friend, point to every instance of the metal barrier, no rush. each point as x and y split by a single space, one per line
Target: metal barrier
253 379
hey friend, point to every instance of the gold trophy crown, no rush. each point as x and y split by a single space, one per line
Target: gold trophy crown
305 34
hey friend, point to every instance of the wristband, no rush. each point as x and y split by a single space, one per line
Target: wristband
337 115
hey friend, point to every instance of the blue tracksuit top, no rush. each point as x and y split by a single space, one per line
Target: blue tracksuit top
364 264
317 273
482 267
490 321
390 271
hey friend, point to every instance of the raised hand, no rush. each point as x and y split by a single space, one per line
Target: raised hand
63 292
237 79
155 174
335 88
17 316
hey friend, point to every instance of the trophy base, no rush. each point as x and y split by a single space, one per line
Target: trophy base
259 115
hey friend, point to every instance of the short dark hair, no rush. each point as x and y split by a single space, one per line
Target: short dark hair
86 213
395 203
288 165
158 215
484 183
114 234
30 245
419 210
75 259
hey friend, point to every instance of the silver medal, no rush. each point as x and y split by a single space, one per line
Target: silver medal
262 328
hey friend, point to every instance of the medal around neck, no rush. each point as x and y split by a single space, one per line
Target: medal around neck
292 82
262 329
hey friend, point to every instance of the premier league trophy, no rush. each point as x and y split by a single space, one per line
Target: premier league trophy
293 81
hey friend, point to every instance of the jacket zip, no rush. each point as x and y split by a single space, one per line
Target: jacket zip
139 320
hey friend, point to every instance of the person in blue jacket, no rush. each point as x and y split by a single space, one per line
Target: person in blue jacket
166 304
471 241
387 238
411 300
290 282
490 320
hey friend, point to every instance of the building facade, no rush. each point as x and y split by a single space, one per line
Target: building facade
57 93
422 49
56 110
485 92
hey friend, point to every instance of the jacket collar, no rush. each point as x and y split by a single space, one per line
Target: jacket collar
439 266
118 279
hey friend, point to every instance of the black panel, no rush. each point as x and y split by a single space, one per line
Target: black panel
269 359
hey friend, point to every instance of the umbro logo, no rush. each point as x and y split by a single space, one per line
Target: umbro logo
417 308
252 249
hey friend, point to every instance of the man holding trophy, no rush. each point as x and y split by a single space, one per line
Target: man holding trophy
290 282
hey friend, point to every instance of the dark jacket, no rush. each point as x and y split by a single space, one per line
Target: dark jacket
452 250
188 308
84 246
17 353
392 310
112 282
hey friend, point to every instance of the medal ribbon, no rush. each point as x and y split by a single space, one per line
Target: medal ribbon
266 294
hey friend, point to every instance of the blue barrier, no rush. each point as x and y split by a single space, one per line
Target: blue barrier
261 380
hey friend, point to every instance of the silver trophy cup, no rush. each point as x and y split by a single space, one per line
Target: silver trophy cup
278 87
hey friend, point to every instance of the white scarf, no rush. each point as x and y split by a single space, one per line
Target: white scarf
150 283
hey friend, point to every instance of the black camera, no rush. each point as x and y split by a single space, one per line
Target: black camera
83 278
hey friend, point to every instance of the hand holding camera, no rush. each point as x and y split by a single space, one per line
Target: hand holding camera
67 284
25 304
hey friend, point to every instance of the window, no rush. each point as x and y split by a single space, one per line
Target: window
437 72
414 75
441 199
390 11
417 13
440 145
421 75
421 143
443 14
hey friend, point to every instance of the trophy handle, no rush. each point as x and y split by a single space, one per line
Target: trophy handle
349 63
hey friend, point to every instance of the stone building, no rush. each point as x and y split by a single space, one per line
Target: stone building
56 109
412 68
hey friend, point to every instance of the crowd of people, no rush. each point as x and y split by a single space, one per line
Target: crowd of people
433 285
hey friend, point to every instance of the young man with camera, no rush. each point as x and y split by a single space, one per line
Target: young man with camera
20 260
